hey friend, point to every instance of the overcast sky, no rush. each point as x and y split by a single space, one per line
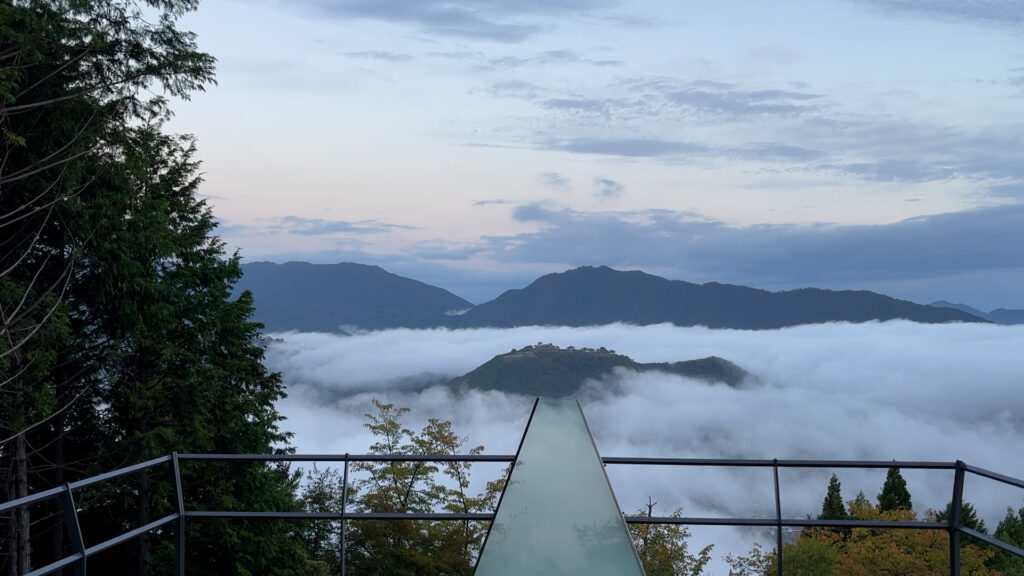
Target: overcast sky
871 144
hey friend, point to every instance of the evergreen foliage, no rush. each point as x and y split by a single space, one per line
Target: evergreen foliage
968 517
1011 531
120 339
833 507
894 494
551 371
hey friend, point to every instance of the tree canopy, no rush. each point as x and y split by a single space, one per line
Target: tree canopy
120 339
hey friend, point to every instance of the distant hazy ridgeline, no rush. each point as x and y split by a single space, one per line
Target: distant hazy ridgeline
324 297
346 297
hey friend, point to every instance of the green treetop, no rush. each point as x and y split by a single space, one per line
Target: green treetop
894 494
833 507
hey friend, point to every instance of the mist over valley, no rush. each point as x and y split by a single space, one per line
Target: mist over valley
876 391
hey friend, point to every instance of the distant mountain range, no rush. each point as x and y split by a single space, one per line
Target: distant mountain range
592 296
346 297
999 315
342 297
547 370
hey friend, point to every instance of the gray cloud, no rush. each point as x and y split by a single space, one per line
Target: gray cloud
924 250
491 202
608 189
1008 12
865 391
1009 190
540 58
318 226
554 180
514 89
776 152
970 257
724 100
734 102
546 58
496 20
635 147
381 55
806 128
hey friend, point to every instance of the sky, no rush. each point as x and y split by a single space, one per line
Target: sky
868 144
873 391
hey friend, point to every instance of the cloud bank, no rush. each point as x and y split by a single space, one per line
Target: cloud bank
882 391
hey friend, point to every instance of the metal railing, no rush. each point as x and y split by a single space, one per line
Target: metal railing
80 554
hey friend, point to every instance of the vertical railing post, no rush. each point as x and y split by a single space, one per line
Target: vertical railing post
778 518
74 528
955 519
344 507
179 545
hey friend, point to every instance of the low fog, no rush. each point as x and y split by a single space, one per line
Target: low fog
880 391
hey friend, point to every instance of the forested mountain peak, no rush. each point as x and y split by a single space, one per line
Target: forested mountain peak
548 370
601 295
327 297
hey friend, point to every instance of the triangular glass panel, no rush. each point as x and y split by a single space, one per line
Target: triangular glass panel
558 515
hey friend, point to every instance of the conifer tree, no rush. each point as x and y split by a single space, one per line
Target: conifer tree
119 333
1011 531
833 508
894 494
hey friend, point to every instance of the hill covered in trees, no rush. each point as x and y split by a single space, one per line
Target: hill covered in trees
1005 316
332 297
547 370
342 297
600 295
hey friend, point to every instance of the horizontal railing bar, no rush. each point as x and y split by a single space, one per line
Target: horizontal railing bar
724 462
338 515
900 524
995 476
786 522
736 462
33 498
739 462
700 521
130 534
119 472
684 461
54 566
993 541
352 457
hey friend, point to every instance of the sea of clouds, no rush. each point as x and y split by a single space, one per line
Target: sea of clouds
879 391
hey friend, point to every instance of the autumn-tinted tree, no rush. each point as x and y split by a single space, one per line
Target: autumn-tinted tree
664 549
867 551
415 547
757 562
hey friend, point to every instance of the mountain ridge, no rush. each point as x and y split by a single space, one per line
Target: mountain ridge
1004 316
548 370
601 295
348 297
330 297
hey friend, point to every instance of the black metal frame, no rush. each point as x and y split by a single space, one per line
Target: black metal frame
80 553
